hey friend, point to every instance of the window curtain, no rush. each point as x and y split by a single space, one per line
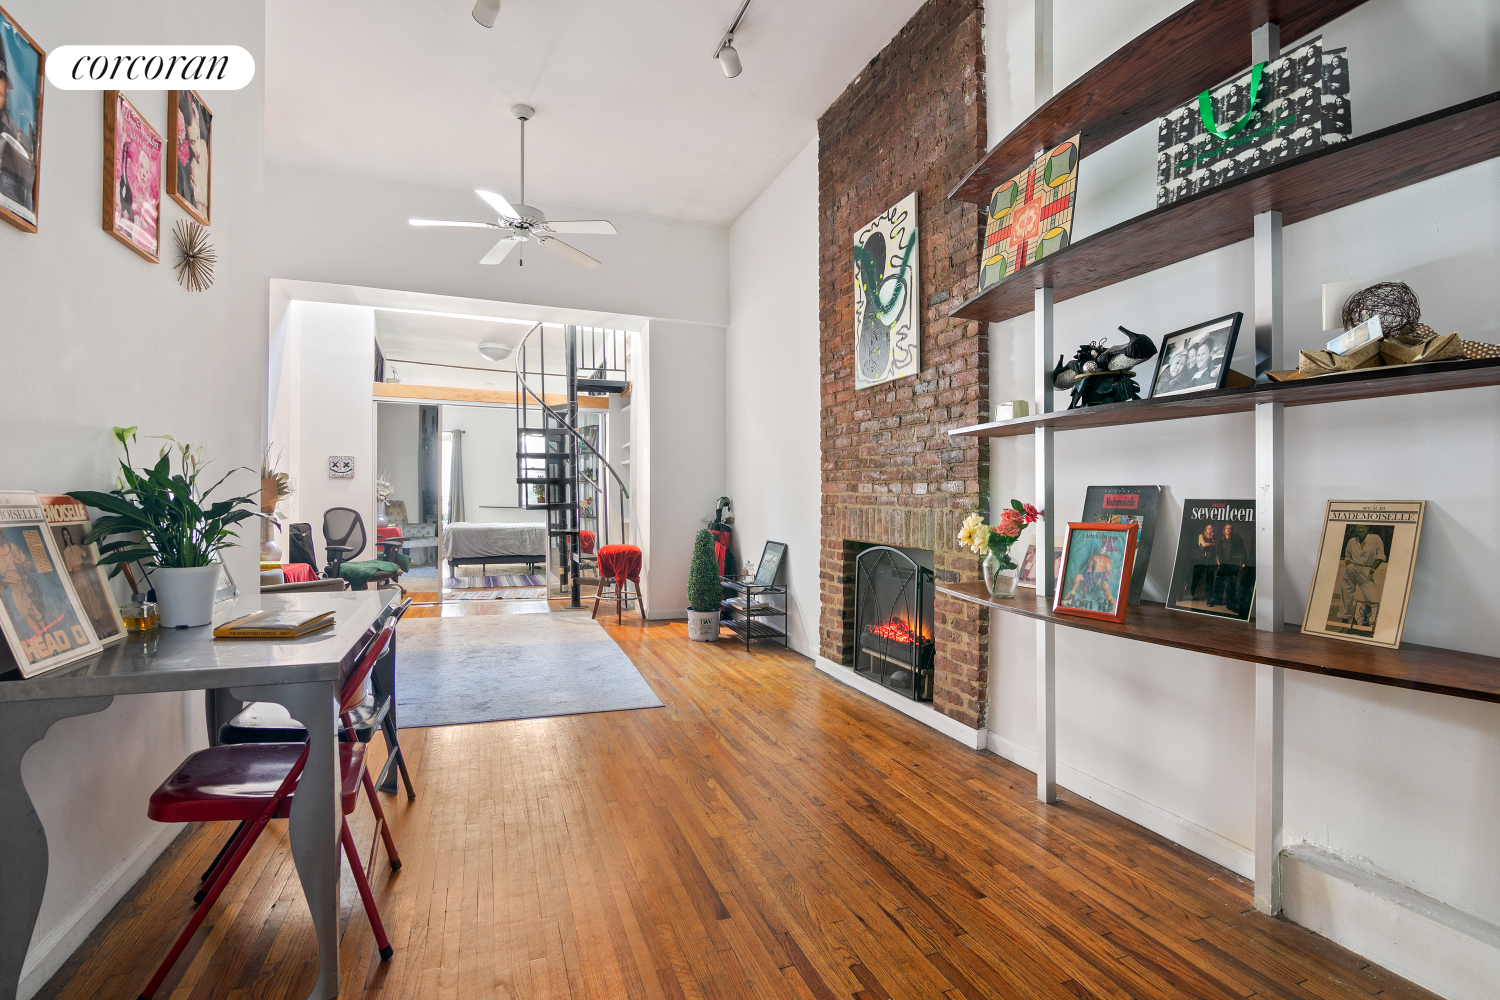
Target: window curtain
456 478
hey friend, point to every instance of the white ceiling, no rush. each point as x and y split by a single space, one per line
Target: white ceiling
633 113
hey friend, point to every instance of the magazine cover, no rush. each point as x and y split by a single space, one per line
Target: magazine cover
1214 573
44 625
1362 581
69 520
1127 505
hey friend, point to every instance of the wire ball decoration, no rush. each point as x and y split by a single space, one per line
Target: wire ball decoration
1393 301
195 256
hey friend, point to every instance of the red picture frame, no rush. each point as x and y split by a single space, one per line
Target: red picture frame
1097 562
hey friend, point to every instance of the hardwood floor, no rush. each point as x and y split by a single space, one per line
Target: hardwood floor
770 833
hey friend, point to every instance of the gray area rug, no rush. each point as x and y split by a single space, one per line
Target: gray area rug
488 668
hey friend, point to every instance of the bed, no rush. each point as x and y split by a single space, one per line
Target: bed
470 543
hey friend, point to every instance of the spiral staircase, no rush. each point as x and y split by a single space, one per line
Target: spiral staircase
560 465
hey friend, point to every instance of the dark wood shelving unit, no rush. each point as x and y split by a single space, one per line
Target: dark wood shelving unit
1367 383
1419 668
1331 178
1208 42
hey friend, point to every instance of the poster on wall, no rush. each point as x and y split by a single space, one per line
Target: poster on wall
41 621
132 177
1031 215
1362 582
887 297
190 140
22 63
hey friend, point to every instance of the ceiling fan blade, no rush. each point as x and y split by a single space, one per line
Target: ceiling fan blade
563 250
499 251
596 228
496 202
466 225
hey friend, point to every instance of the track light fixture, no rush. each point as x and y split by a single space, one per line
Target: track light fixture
729 59
485 12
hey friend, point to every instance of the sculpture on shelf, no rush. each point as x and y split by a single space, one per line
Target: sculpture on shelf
1098 357
1393 301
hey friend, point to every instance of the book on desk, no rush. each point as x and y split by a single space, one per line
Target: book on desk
274 625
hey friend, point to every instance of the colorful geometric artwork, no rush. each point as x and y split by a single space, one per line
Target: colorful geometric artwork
887 320
1031 215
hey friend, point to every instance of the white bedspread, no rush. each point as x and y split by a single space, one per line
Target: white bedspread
476 540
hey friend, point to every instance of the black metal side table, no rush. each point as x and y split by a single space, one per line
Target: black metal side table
750 615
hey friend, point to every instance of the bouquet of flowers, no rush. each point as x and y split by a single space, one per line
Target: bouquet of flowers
993 541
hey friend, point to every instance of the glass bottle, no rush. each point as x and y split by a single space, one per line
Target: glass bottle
140 614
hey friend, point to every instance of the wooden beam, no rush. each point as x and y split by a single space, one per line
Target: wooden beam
444 394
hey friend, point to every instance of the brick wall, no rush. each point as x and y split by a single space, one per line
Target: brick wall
914 119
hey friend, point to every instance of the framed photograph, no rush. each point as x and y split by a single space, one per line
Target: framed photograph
1196 359
1121 505
1097 563
69 521
1362 580
1026 576
1214 573
22 65
41 620
770 563
132 177
190 157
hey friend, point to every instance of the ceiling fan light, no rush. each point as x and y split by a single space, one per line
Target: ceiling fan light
729 59
495 351
485 12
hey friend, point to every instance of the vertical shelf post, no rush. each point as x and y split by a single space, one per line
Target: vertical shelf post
1270 691
1046 632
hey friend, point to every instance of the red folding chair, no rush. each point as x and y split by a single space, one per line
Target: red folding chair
254 783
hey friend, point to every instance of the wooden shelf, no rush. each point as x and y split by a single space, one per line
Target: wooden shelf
1420 668
1205 43
1366 383
1301 188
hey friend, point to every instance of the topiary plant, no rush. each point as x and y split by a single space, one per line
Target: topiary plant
704 590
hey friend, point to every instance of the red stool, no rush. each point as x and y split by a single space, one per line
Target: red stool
254 783
620 563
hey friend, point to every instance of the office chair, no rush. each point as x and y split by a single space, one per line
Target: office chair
344 537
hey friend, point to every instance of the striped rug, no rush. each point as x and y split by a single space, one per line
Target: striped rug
505 594
492 582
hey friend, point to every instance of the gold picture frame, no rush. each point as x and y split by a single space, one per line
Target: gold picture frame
189 155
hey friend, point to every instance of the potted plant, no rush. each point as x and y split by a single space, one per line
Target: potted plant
172 528
704 590
994 542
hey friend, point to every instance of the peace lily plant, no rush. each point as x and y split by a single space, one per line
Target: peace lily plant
170 525
994 542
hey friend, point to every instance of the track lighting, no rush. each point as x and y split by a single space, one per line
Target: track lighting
729 59
485 12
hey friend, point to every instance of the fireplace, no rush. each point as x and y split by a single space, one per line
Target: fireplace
893 619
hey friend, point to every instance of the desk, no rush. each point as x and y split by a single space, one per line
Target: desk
301 674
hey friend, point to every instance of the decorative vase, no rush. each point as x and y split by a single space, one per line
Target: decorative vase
380 519
703 626
186 594
1000 574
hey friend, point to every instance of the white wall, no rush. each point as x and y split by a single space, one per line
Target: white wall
398 429
94 337
678 437
353 230
489 462
772 395
1399 782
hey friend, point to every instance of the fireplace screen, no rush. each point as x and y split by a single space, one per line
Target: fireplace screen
893 621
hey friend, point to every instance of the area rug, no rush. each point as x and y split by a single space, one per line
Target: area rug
508 594
492 582
452 671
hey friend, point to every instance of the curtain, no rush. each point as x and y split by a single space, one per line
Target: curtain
456 478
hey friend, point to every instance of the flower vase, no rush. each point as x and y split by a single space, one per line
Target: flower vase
1000 573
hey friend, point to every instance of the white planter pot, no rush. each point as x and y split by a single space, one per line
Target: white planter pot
186 596
703 626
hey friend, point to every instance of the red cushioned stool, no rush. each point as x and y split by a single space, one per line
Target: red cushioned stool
620 563
254 783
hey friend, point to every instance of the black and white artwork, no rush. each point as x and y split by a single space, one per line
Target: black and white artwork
886 296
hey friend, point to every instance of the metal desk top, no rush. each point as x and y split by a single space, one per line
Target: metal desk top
189 659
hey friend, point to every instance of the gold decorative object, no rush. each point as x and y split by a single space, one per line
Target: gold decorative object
195 256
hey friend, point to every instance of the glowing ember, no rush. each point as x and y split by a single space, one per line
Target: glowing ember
895 631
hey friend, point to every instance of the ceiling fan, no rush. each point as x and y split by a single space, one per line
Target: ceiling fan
522 223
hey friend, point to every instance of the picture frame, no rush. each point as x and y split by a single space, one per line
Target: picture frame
1361 583
43 624
69 521
1196 358
1213 571
769 566
1120 504
1097 563
23 67
1026 575
189 159
132 177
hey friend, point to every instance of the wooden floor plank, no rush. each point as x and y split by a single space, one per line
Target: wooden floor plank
768 833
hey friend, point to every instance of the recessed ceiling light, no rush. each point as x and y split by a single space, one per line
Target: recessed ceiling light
495 351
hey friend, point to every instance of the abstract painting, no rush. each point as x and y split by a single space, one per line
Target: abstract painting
1031 215
886 296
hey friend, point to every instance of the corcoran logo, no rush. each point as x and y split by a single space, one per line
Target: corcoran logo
150 67
1121 501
